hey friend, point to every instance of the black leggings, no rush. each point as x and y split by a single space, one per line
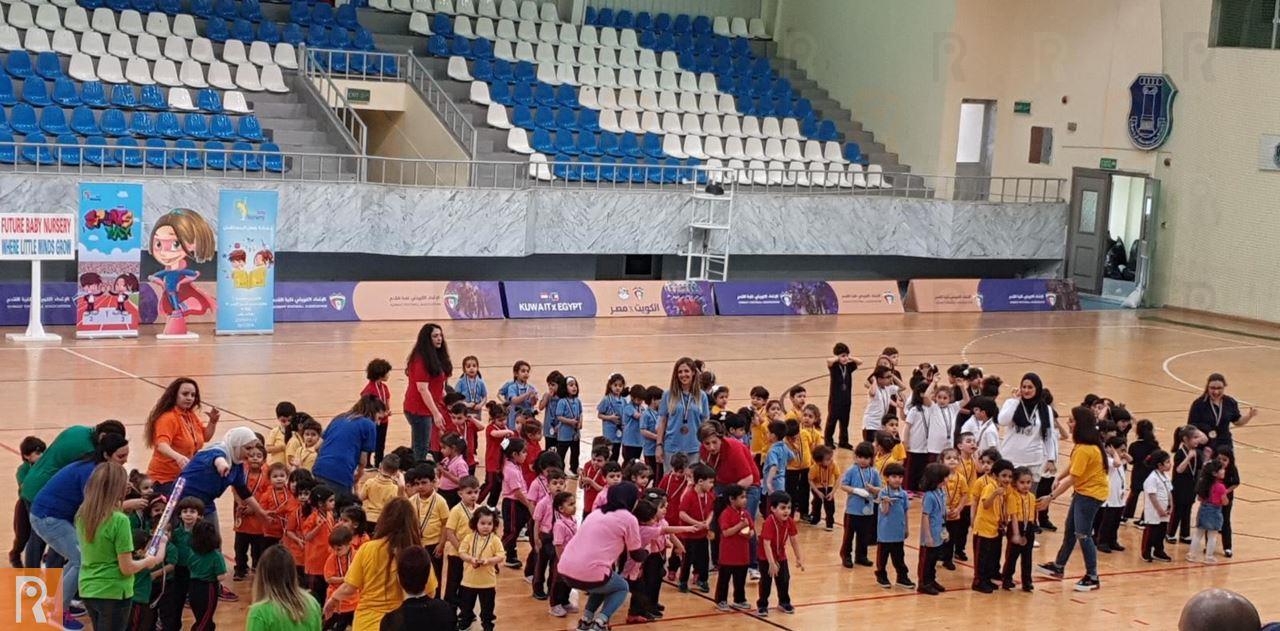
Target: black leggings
1015 554
632 453
492 490
737 574
837 417
572 448
1226 521
696 556
859 534
986 561
515 518
204 602
1180 518
957 534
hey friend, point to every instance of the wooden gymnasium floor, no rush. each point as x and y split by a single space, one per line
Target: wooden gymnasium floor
1152 364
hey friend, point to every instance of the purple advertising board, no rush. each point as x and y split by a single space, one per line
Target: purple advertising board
315 302
57 306
1028 294
548 299
776 298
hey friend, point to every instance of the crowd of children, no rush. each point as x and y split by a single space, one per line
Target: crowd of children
938 445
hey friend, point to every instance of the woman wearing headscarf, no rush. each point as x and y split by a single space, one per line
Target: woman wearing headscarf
587 563
1030 438
218 467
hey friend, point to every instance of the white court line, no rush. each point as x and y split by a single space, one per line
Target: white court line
102 363
1194 388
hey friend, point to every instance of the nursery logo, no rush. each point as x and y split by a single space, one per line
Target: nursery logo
37 598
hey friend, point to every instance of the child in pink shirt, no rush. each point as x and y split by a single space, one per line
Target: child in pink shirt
543 555
563 528
516 507
453 467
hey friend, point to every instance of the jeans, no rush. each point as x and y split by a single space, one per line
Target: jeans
420 432
61 536
108 614
1080 522
603 601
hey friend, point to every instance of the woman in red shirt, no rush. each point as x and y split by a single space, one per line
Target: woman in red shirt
428 369
734 467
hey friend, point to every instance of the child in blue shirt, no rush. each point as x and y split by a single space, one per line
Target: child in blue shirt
632 411
932 522
776 459
609 410
568 415
649 431
891 527
862 483
517 394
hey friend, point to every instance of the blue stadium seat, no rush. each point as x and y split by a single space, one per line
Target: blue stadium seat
544 95
590 16
442 24
130 154
269 32
740 47
4 121
157 154
853 152
225 9
606 172
541 142
8 152
802 108
318 37
482 70
64 92
293 35
209 100
22 118
190 158
48 66
643 21
167 125
202 8
522 117
605 17
196 126
684 41
481 49
90 5
460 47
338 39
241 158
524 72
93 94
701 24
500 92
143 6
390 68
649 39
362 38
69 156
35 92
607 145
623 19
652 146
629 145
345 16
250 129
322 14
118 5
720 46
588 144
220 127
827 131
243 30
153 98
123 96
7 96
36 151
19 64
169 7
545 118
682 24
503 71
590 170
141 124
589 120
216 30
664 41
662 23
53 121
438 45
83 123
112 122
674 170
567 96
523 93
215 156
566 120
99 152
337 62
251 10
300 13
566 143
273 160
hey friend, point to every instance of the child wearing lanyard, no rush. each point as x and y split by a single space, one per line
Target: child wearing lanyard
472 386
609 410
840 399
1020 511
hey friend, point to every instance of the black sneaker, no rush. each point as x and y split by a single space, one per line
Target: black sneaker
938 587
905 583
787 609
1088 584
1104 548
848 563
1008 585
537 595
513 564
1171 540
683 588
961 556
949 565
1228 553
928 590
1117 547
984 587
1048 526
883 581
703 587
1028 588
846 446
763 612
864 562
1160 556
723 606
239 576
1050 569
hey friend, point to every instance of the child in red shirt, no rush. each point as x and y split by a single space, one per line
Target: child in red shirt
778 530
697 509
300 490
735 550
249 528
494 433
531 431
591 478
377 372
274 497
674 485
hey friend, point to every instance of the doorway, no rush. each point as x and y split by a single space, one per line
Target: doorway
1110 238
975 144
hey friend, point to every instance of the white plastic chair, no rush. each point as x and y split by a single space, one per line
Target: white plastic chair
720 26
175 48
649 101
627 59
233 52
527 31
273 79
548 13
609 122
607 78
587 76
524 52
120 45
670 61
628 121
548 33
466 7
672 146
773 149
487 8
539 169
220 76
650 123
564 74
104 21
832 153
569 34
738 28
646 59
20 16
586 57
404 6
528 10
503 50
191 74
166 73
588 36
131 22
693 147
627 39
509 10
754 149
728 105
507 30
247 77
707 83
81 68
628 100
627 78
158 24
445 6
732 126
770 128
91 44
485 28
751 127
64 42
812 151
233 101
688 82
756 29
608 37
518 141
671 124
260 53
37 41
608 58
791 129
457 69
180 99
691 124
733 148
858 177
544 53
419 22
202 50
285 56
547 74
479 93
707 103
757 173
149 47
76 19
184 26
714 147
711 125
47 17
381 5
666 80
462 27
647 80
688 103
791 150
496 117
876 177
138 72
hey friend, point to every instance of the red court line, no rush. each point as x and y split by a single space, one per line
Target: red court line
11 449
1142 622
857 599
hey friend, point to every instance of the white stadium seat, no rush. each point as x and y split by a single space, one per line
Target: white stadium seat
419 23
137 71
773 149
707 103
260 53
497 117
588 36
791 150
273 79
539 169
751 127
502 50
131 22
64 42
233 52
192 74
104 21
465 7
548 33
832 153
650 123
720 26
487 8
876 177
529 11
91 44
608 37
285 56
180 99
627 39
220 76
202 50
462 27
693 147
715 147
148 47
20 16
754 149
568 34
524 52
770 128
609 122
445 6
485 28
47 17
184 26
233 101
587 75
671 124
37 41
109 70
548 12
732 126
527 31
629 122
509 9
76 19
175 48
166 73
247 77
547 74
711 125
738 28
728 105
479 93
564 74
672 146
120 45
457 69
158 24
81 68
518 141
756 29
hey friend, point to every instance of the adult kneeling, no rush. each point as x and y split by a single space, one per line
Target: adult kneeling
588 559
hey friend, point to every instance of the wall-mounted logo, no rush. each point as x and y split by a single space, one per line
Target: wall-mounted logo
1151 110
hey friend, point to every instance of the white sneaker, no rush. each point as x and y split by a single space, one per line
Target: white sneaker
558 611
1211 559
753 574
1035 544
1191 558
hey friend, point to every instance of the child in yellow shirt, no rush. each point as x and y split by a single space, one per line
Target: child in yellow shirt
760 439
276 441
301 450
378 490
458 526
432 512
823 478
797 475
1020 515
989 524
796 397
481 552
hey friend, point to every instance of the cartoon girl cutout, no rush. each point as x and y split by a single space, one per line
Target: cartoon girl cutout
240 279
263 259
181 235
125 286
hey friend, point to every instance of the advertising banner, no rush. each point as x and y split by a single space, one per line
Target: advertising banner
428 300
652 298
548 299
1028 294
315 302
37 237
807 297
867 296
246 261
944 295
57 303
110 260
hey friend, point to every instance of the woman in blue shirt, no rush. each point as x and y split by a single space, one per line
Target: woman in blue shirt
53 512
348 440
682 410
219 466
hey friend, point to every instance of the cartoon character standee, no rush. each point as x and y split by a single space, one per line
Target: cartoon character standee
92 286
180 236
125 286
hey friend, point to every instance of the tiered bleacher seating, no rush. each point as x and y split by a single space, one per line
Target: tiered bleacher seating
656 89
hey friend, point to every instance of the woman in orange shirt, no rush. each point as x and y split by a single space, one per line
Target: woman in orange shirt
175 432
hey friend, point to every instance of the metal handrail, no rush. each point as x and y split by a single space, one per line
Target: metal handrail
437 99
334 100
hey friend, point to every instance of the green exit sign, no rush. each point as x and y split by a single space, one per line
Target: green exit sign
1108 164
1022 107
357 96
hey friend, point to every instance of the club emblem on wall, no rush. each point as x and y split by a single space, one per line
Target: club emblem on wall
1151 110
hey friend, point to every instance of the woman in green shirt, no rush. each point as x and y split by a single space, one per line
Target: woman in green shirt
279 603
107 564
